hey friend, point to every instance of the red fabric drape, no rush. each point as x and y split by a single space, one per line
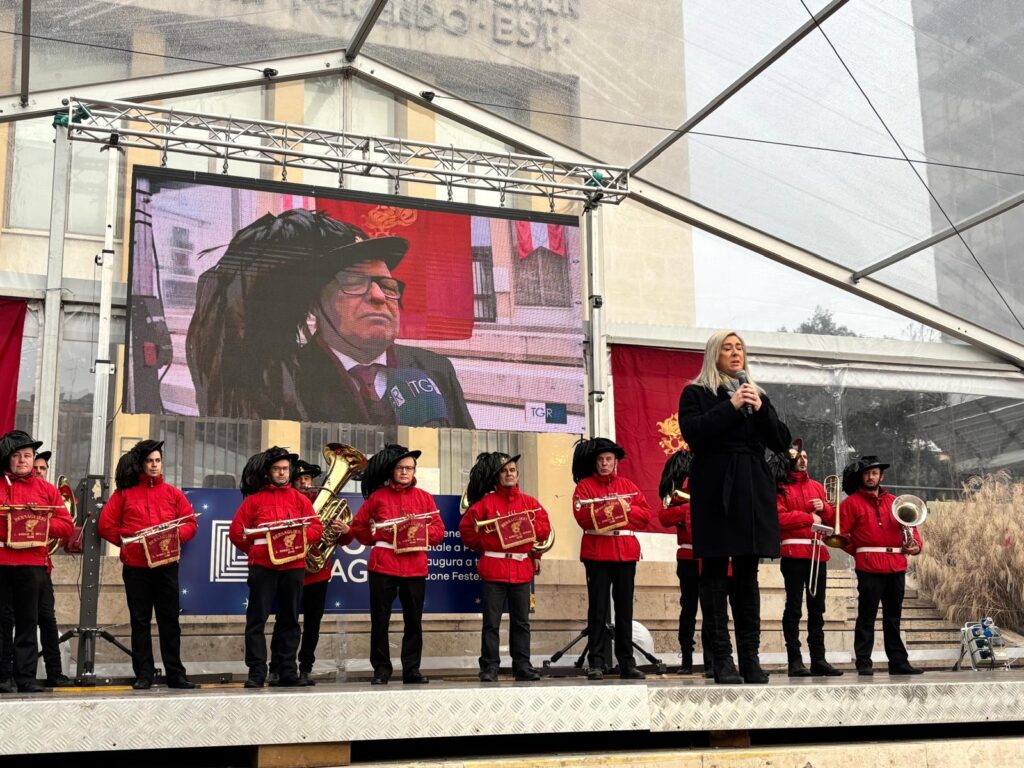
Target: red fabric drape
648 382
12 326
437 270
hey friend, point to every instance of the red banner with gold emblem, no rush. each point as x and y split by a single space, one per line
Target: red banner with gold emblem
610 515
411 535
515 529
26 528
286 545
162 548
648 382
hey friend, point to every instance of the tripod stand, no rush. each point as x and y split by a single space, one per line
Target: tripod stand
91 489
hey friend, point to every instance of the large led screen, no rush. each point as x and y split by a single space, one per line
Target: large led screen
263 300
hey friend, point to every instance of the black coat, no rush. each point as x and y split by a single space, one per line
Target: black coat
732 493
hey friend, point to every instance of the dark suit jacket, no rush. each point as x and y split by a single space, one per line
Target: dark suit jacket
326 392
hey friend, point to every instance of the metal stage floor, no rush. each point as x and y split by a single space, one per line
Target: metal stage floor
84 720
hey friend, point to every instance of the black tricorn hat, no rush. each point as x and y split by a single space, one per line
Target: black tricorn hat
143 448
584 455
852 472
675 471
483 477
44 455
305 468
13 441
871 462
255 473
381 465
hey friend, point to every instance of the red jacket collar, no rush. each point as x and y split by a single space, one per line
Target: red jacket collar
507 493
12 478
605 479
150 482
400 488
797 477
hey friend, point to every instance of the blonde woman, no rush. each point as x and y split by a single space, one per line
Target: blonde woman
728 421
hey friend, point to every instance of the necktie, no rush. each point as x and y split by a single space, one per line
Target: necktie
366 376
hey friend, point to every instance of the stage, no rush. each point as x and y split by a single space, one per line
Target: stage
82 720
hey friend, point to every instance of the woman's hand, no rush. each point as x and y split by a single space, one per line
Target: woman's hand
747 394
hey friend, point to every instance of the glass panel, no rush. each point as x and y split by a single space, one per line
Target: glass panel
205 453
28 367
94 41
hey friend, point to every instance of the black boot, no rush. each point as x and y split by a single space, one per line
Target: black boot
747 618
709 667
821 668
686 668
796 667
715 599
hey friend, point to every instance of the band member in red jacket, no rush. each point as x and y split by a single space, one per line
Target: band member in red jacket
314 586
609 509
31 511
506 566
880 545
400 522
277 561
802 503
149 563
676 512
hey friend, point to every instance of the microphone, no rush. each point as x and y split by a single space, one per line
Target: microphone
416 398
746 408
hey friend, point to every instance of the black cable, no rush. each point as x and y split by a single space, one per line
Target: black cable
912 167
33 36
748 139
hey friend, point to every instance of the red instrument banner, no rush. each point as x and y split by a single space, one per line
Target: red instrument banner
410 536
286 545
162 548
515 529
26 528
610 515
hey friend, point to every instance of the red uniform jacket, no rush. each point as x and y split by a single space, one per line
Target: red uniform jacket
678 514
615 548
868 521
272 502
32 490
795 514
129 510
503 501
388 503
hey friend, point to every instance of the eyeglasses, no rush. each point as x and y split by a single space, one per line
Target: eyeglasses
356 284
405 469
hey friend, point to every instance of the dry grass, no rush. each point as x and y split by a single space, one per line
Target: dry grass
973 561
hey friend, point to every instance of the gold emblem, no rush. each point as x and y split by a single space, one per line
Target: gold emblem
517 527
383 220
30 526
671 439
165 546
289 539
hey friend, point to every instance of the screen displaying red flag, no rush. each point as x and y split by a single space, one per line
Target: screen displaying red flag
12 326
437 270
648 382
531 235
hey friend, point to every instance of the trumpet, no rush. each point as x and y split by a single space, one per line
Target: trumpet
495 520
158 528
375 526
278 525
578 505
30 507
676 495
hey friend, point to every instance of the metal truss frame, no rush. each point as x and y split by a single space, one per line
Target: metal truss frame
266 142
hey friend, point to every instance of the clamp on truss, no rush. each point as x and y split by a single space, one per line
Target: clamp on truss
266 142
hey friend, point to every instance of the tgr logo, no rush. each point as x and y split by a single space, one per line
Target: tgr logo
227 564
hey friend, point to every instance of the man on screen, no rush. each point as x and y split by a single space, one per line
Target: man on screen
298 321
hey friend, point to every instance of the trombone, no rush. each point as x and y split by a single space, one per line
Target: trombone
834 538
578 505
375 526
279 525
169 525
820 534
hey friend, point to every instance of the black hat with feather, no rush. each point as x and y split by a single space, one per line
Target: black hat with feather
674 473
483 477
256 473
584 456
382 464
130 465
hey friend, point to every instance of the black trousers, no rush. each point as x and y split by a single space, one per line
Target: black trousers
603 575
314 601
495 593
149 591
688 572
410 592
743 593
49 635
872 589
796 573
21 587
266 585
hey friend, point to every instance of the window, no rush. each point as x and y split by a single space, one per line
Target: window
485 303
542 279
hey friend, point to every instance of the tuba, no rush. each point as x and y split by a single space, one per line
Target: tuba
910 512
343 461
64 486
